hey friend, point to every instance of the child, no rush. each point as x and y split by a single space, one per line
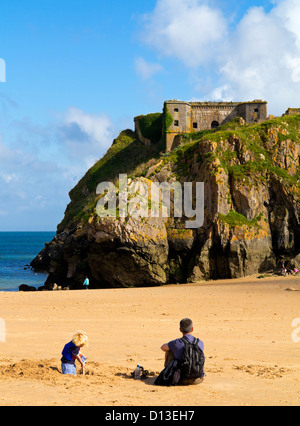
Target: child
71 353
86 283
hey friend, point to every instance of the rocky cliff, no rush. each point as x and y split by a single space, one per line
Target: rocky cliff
251 216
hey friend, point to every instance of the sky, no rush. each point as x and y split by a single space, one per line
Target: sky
73 74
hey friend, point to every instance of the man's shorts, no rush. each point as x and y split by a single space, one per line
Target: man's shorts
187 382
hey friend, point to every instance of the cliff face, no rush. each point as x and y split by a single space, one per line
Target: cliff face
251 216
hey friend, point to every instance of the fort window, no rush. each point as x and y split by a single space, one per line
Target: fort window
176 123
214 124
256 110
195 125
176 109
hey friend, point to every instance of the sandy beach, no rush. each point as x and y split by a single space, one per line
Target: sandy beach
246 326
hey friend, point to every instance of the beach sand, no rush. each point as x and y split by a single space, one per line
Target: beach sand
246 326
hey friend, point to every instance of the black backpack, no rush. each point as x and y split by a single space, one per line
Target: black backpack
166 377
192 363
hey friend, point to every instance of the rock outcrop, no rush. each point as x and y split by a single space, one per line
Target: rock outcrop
251 215
25 287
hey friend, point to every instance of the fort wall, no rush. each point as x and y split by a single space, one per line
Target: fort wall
189 117
292 111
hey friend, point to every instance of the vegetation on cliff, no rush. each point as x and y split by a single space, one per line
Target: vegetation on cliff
126 155
151 126
252 212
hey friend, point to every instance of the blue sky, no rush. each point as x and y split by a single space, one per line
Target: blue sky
77 72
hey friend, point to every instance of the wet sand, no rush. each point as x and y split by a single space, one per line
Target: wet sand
246 326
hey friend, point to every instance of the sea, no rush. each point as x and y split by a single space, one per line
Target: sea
17 250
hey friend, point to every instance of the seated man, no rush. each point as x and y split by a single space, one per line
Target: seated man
175 350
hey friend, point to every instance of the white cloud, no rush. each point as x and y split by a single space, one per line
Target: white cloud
288 12
146 69
8 177
40 164
258 57
87 136
186 29
294 65
97 127
22 175
261 59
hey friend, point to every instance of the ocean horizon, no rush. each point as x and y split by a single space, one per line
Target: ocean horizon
17 250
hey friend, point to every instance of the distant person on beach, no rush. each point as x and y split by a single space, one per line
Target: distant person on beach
180 351
283 269
86 283
71 353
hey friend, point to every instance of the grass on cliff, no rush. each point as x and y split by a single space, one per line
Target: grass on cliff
251 138
126 155
151 126
236 219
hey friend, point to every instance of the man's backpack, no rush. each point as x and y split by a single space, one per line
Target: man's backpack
192 363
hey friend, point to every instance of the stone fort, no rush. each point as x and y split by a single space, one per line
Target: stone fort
189 117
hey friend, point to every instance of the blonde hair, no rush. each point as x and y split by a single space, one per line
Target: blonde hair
80 338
